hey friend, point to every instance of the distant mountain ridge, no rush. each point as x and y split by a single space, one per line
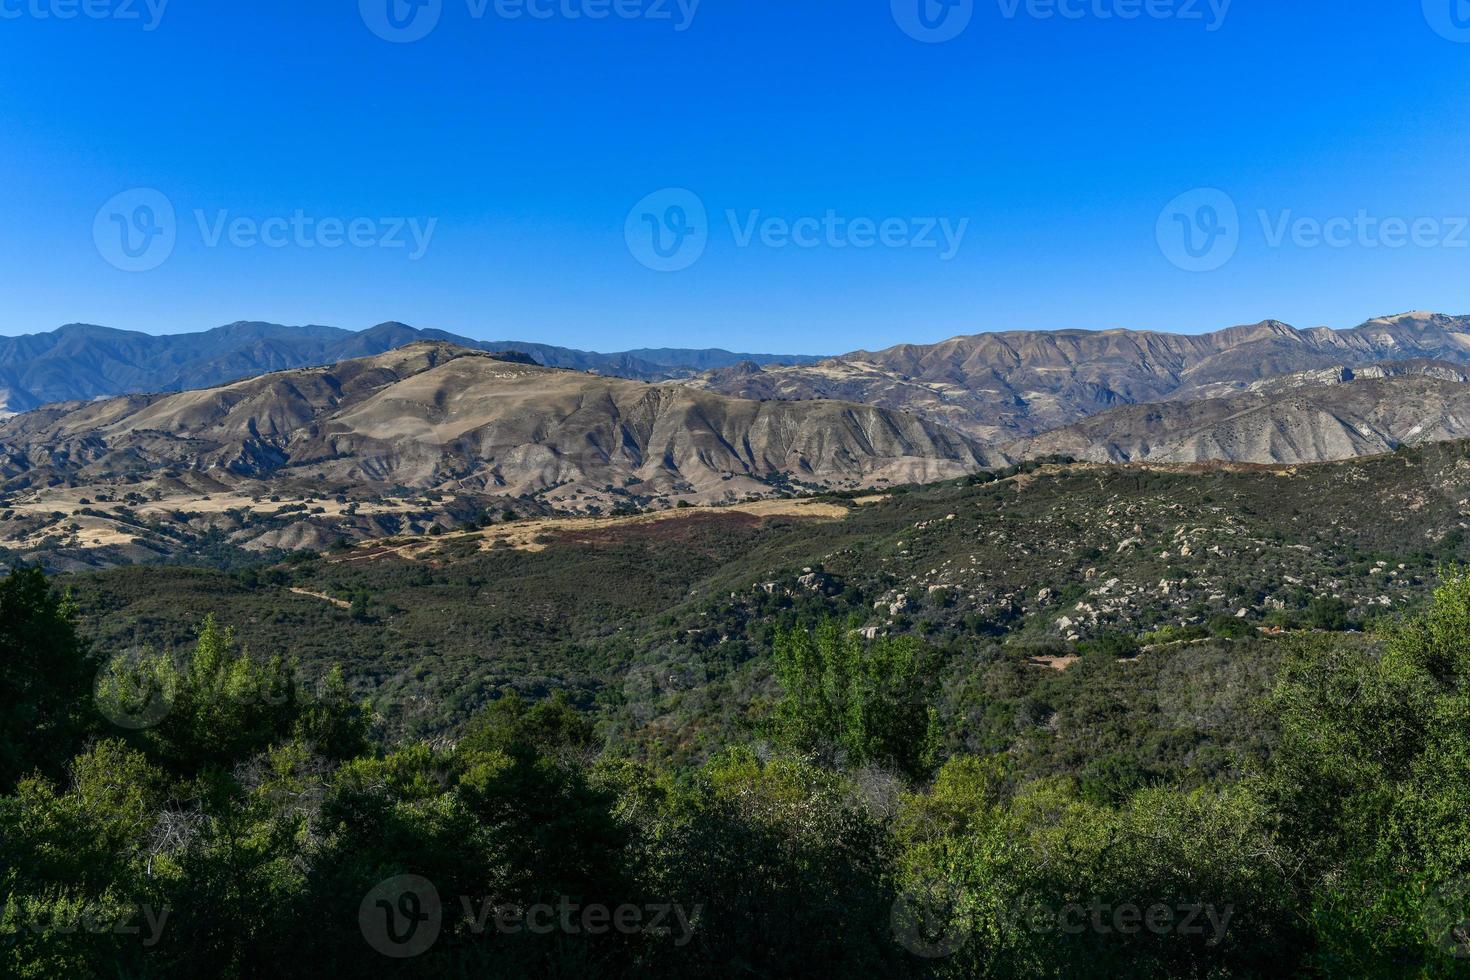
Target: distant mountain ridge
435 416
83 361
1000 387
1260 393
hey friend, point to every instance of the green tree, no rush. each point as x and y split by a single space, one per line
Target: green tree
1328 613
509 724
1037 881
857 701
222 706
46 677
1372 779
74 862
781 867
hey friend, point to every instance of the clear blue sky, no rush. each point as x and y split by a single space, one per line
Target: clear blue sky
528 141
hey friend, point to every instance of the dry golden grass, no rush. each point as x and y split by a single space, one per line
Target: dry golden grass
95 532
533 534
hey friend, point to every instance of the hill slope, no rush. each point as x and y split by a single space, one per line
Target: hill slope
998 572
999 387
435 419
1306 418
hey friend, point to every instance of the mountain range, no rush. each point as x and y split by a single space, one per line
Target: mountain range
81 361
1003 387
400 409
436 416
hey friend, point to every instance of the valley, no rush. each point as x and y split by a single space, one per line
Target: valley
1040 561
434 436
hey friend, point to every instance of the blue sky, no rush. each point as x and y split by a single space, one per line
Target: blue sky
1049 146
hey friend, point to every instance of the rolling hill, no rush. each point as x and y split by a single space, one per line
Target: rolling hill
375 444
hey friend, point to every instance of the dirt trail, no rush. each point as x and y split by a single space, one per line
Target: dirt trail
339 603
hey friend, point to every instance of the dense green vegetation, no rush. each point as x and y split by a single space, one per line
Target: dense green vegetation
1062 721
212 813
665 631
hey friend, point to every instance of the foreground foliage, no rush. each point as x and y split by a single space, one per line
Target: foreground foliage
213 813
